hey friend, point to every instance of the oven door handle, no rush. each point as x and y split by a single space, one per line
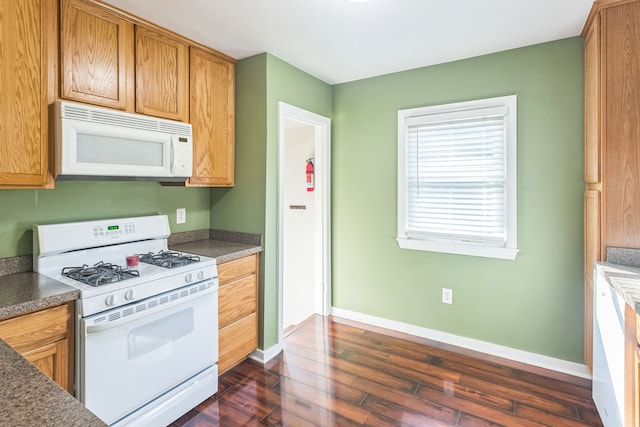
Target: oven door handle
120 315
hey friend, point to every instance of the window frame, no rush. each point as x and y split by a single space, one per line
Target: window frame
510 249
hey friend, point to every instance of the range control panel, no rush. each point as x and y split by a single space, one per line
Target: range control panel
114 229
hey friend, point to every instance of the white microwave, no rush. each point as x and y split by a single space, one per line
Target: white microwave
100 143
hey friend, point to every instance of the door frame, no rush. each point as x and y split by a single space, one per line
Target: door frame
322 147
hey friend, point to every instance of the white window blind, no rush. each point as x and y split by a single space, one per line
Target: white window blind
457 179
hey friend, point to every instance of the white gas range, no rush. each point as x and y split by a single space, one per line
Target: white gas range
146 319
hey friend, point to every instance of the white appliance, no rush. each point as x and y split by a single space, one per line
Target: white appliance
608 351
146 320
100 143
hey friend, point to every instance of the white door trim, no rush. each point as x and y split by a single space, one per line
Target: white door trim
322 132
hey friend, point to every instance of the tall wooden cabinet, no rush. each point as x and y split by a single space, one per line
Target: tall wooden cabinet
612 132
27 51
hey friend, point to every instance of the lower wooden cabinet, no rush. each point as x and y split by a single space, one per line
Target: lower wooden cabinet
45 339
237 311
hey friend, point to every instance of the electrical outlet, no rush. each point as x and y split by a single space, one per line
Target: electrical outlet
181 216
447 296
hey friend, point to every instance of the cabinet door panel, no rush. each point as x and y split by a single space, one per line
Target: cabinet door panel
211 112
591 254
97 56
621 187
592 103
52 360
162 75
24 39
237 268
236 300
236 341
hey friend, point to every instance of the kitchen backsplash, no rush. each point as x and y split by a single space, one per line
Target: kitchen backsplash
624 256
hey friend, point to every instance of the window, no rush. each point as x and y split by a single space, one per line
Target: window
457 178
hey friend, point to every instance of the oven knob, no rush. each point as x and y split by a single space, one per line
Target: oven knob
200 275
188 277
129 295
109 301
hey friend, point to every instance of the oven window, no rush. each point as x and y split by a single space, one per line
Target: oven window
159 333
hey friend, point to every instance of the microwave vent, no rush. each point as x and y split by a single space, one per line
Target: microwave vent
117 118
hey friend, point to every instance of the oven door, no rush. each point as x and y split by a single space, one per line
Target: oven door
134 354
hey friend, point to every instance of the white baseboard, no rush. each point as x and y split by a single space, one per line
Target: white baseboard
534 359
263 356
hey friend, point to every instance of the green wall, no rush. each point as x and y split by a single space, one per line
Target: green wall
251 205
85 200
534 303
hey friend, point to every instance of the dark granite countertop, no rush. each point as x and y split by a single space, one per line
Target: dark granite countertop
31 399
222 250
22 293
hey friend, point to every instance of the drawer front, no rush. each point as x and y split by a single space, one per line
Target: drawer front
237 300
30 331
236 342
235 269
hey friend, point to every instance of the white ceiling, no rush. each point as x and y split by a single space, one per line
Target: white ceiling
339 41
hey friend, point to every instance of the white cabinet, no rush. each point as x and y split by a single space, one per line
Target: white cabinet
608 353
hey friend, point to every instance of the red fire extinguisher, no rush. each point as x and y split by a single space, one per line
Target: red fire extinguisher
311 185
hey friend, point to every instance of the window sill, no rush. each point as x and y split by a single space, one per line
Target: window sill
458 249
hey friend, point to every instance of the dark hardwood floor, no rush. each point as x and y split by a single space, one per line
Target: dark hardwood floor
334 373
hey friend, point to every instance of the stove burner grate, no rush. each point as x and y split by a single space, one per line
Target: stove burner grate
168 259
101 273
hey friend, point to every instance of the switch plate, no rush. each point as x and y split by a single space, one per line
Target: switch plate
181 216
447 296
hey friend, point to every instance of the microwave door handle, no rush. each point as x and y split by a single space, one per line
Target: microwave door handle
172 153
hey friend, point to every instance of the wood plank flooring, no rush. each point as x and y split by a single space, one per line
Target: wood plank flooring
337 373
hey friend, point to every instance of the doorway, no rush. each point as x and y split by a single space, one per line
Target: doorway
304 271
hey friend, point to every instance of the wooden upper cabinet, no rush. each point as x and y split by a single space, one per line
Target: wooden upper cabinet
162 75
96 55
592 162
27 46
212 86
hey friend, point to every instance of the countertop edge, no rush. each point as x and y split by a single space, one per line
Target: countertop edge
27 307
624 280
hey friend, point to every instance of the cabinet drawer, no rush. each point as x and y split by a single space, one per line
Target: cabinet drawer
236 341
30 331
237 300
235 269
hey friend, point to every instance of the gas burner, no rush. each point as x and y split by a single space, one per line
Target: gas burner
168 259
101 273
